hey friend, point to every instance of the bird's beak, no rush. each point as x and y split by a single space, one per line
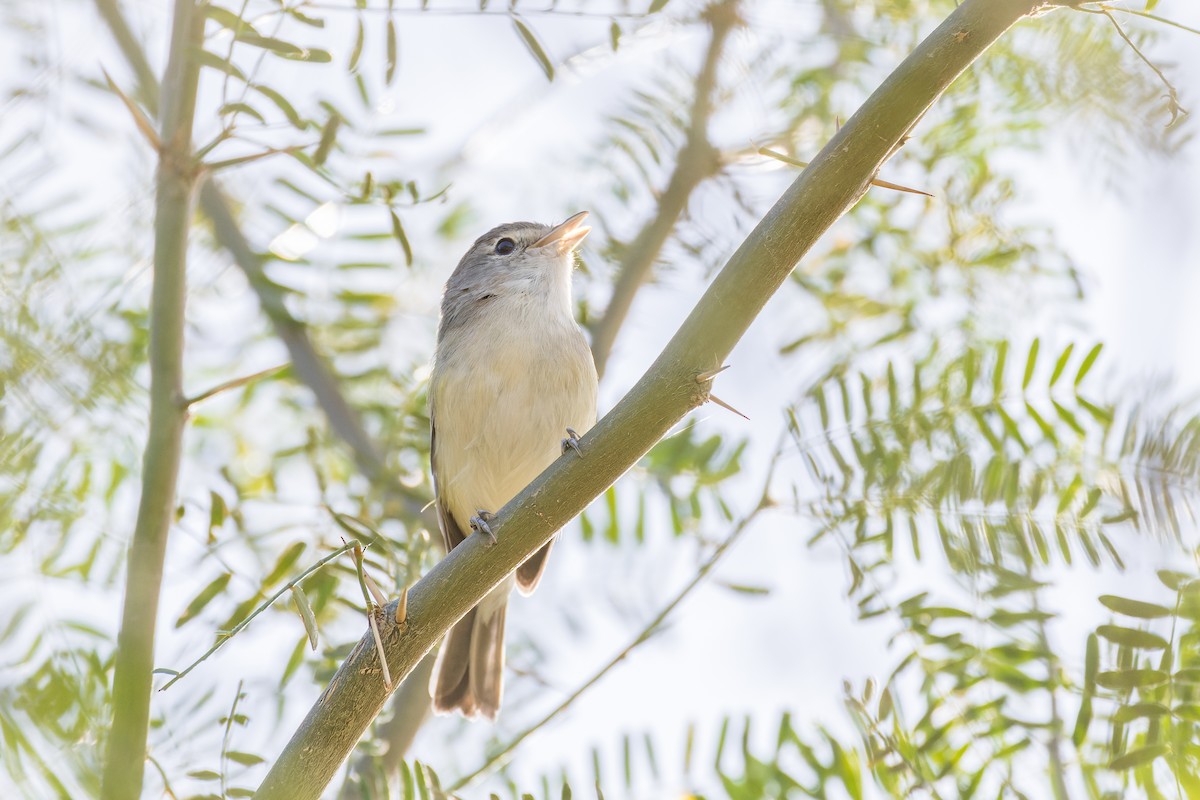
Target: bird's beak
566 236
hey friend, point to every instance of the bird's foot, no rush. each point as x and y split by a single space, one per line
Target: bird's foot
571 442
480 521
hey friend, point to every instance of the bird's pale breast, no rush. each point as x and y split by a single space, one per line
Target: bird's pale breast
502 398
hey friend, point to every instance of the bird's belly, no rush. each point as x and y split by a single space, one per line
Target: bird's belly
501 417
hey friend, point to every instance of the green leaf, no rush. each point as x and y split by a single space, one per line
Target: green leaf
998 370
656 6
306 615
204 775
241 108
1190 675
284 563
1133 608
245 759
1177 581
534 46
1030 363
227 19
214 61
742 588
328 138
401 237
1131 637
356 52
1131 678
206 595
1064 500
392 49
281 103
1061 364
614 35
216 512
270 43
1139 711
1088 361
1139 757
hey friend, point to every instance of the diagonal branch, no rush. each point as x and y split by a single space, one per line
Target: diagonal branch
837 178
124 763
697 161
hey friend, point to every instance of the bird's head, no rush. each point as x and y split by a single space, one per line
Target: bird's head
516 259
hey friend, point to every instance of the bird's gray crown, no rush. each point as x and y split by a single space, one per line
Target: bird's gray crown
482 274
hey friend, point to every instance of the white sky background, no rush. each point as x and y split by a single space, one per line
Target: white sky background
1138 241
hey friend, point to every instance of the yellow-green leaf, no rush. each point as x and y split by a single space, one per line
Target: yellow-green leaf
533 46
1133 608
206 595
1138 757
306 615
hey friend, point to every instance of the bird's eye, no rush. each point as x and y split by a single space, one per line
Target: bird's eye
505 246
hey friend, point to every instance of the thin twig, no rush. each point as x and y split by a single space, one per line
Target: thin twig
235 383
225 636
144 126
228 736
237 161
882 184
474 12
1173 104
1148 15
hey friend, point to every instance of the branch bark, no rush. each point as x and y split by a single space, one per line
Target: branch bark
125 758
837 178
697 161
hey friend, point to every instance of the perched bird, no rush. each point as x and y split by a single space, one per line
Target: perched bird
512 374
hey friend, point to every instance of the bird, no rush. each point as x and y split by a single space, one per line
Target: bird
512 373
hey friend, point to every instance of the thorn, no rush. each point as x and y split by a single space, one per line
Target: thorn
897 187
402 607
144 126
726 406
705 377
882 184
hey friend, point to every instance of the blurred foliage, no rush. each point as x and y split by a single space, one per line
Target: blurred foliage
926 418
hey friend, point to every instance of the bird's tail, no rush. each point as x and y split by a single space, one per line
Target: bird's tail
469 674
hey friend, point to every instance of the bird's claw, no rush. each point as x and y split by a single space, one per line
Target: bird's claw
571 442
480 521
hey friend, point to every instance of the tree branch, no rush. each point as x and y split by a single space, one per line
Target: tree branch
697 162
125 759
820 195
